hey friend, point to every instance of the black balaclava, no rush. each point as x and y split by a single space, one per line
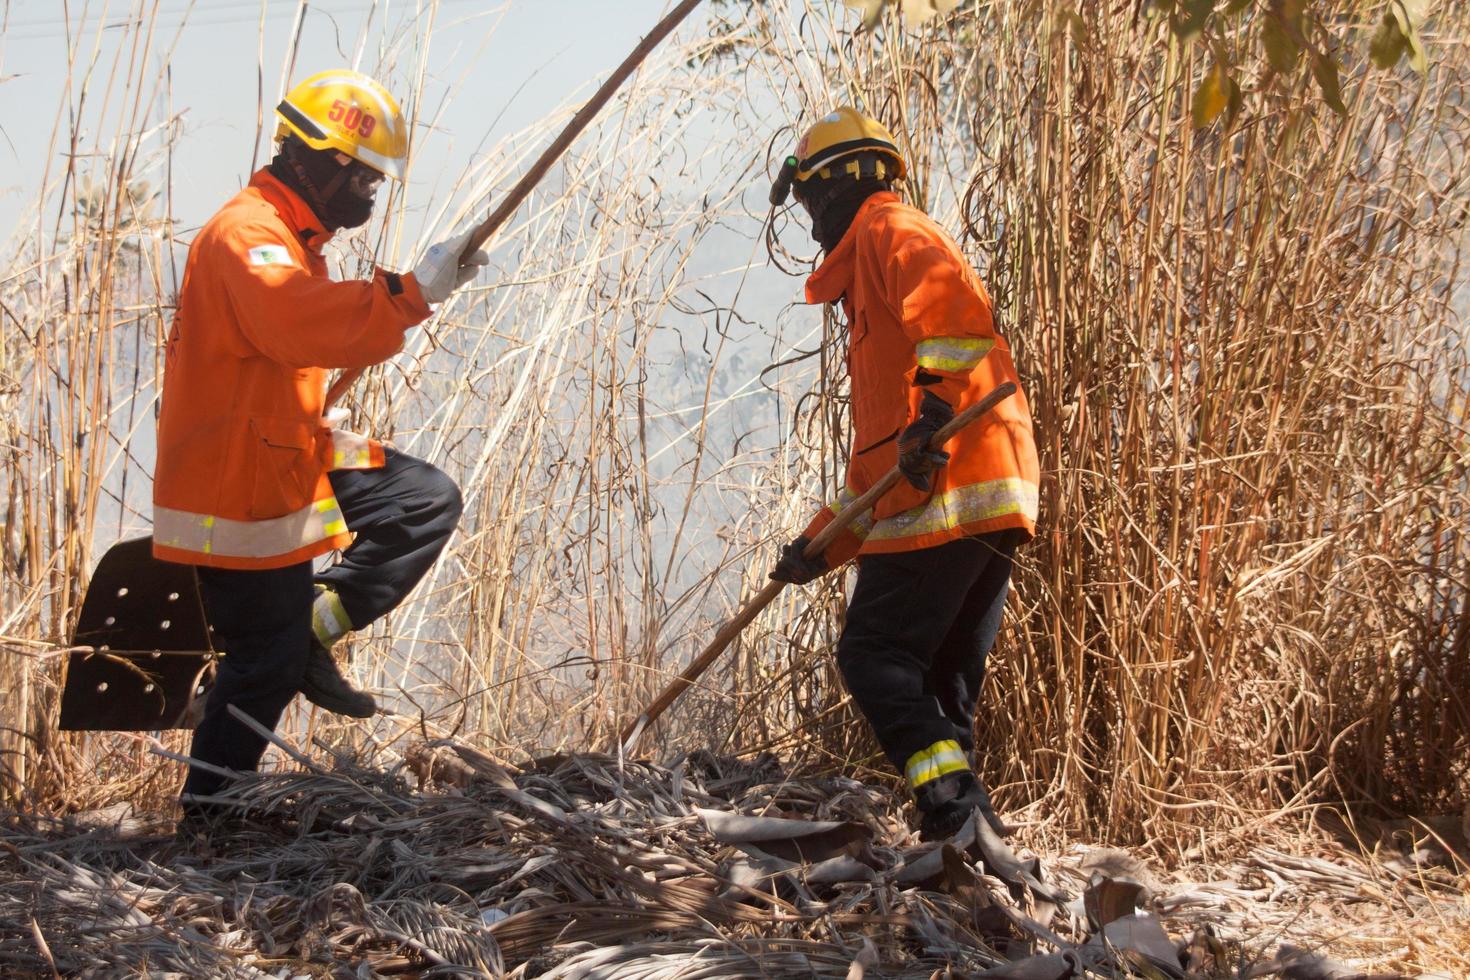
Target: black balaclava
326 185
833 201
834 207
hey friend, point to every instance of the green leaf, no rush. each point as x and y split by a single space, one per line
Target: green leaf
1237 6
1232 111
1189 22
1418 60
1388 43
1212 97
1281 48
1324 69
1412 12
1409 15
872 10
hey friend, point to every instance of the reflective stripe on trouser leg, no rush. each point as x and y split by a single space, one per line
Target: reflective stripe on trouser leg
402 514
328 619
933 762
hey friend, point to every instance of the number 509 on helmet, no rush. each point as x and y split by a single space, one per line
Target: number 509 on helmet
348 112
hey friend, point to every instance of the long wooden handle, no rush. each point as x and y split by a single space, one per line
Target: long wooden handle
579 122
549 156
818 545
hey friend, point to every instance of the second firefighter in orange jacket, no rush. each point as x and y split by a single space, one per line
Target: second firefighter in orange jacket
935 553
920 327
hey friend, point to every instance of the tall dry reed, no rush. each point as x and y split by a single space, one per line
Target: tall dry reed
1248 376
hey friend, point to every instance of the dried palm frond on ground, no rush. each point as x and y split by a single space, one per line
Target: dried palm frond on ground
584 866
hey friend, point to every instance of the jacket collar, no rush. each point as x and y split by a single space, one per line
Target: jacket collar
293 210
833 277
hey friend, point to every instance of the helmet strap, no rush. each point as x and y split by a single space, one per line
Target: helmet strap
335 184
781 187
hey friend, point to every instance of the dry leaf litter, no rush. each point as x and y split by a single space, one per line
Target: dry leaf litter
586 866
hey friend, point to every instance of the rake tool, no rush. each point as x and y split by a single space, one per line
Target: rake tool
630 734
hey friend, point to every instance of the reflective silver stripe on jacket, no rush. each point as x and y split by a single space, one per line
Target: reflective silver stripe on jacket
961 505
952 353
351 451
206 534
862 524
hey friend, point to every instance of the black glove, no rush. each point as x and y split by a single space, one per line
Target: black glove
914 458
795 567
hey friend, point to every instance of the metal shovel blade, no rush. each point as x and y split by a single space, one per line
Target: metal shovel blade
150 659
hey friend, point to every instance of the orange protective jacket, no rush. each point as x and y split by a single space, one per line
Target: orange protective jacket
243 449
919 319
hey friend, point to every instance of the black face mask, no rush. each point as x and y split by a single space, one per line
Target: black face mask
340 196
833 204
347 208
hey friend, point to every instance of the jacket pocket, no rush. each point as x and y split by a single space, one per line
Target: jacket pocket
286 466
879 444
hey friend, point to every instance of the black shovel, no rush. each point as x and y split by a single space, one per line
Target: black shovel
142 657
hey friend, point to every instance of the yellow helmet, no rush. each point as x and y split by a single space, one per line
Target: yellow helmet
349 112
843 132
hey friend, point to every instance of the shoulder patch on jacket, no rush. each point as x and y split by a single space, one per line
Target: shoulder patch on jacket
270 255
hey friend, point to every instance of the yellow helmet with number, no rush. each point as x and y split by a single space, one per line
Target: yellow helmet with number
349 112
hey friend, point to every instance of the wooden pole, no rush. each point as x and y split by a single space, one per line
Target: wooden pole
818 545
549 156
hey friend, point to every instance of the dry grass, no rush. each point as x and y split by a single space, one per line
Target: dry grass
1249 376
578 866
1243 352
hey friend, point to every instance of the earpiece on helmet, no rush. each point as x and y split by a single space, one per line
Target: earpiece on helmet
781 186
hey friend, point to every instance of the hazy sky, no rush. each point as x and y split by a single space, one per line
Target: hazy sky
496 66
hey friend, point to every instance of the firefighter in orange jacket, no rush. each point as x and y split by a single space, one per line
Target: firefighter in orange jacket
252 482
934 556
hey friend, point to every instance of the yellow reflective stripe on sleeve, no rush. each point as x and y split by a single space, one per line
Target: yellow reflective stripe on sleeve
862 524
208 535
952 353
962 505
351 451
935 761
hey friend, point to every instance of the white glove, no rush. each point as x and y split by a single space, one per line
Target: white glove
444 268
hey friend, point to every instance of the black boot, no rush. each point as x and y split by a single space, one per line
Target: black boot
324 686
946 803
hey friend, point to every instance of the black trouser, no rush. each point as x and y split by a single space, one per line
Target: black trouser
402 514
919 627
